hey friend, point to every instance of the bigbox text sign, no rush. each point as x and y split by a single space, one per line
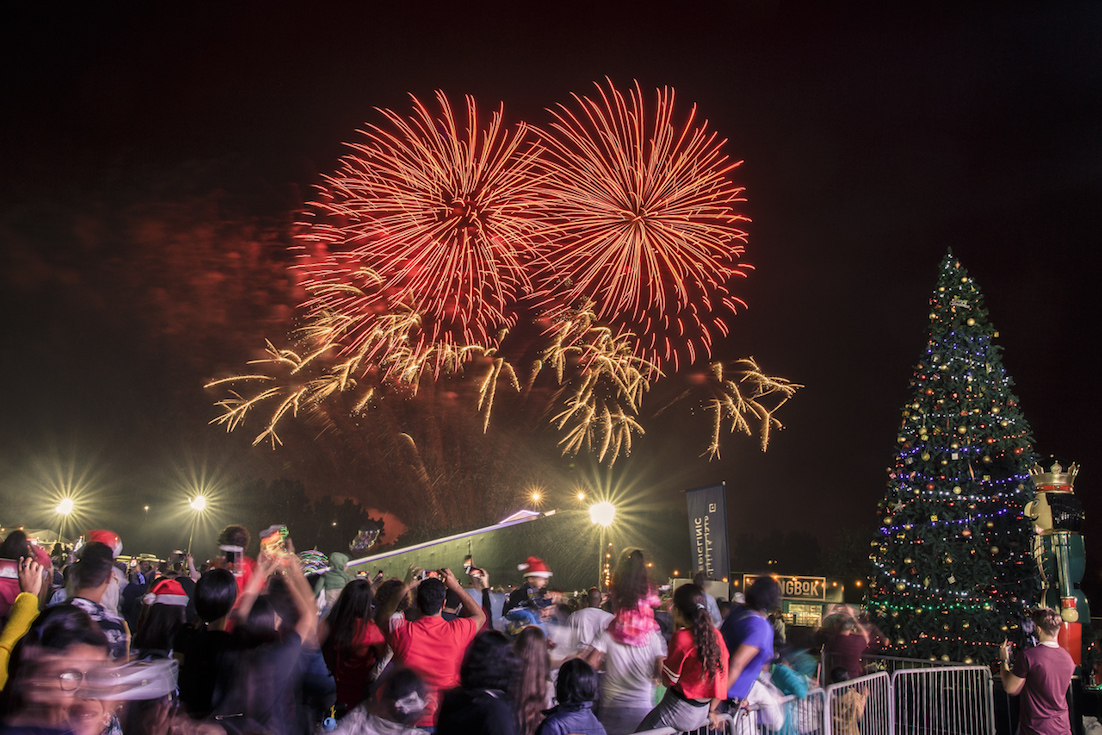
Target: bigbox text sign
708 530
795 588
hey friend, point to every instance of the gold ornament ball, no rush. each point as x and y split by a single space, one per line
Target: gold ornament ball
944 657
901 586
900 642
994 409
962 429
925 456
1003 628
933 518
1069 614
994 549
971 322
956 490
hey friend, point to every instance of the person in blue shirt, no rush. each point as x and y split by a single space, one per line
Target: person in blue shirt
749 637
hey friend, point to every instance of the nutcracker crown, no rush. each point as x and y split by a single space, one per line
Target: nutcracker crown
1056 474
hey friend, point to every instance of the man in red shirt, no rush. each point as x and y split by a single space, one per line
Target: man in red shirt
434 647
1041 675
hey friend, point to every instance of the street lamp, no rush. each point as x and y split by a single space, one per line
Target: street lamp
198 504
602 514
63 509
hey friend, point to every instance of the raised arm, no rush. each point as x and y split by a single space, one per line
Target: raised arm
472 608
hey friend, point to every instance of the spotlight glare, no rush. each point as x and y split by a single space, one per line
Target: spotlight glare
65 507
198 503
602 513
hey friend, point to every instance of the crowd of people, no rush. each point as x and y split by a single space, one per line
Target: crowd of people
91 646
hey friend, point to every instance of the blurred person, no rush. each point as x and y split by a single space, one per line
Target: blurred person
395 595
312 685
848 709
749 638
331 582
700 579
22 613
201 646
49 666
430 645
695 671
233 541
481 704
94 574
352 643
576 690
630 649
256 682
399 702
15 547
533 692
112 596
533 593
850 640
1041 675
161 617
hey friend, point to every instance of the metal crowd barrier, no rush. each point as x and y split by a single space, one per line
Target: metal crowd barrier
953 700
861 706
942 700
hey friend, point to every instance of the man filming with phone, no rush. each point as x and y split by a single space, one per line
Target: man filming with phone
432 646
1041 675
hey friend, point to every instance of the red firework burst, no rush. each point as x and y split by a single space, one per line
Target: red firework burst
644 222
430 217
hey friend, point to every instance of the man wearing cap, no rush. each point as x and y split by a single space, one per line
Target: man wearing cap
530 594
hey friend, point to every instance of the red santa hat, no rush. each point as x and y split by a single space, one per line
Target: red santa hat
166 592
110 539
534 567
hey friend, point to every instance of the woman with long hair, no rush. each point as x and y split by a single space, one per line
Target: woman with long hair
695 671
352 643
161 617
481 704
531 695
631 648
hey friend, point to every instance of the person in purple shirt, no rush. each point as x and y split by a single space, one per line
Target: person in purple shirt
749 637
1041 675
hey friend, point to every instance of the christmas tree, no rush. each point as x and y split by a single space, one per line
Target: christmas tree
952 570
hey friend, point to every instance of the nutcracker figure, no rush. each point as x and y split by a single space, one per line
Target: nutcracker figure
1058 549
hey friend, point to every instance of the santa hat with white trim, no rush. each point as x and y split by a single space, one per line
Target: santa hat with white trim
534 567
110 539
166 592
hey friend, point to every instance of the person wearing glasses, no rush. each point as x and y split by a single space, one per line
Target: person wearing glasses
47 676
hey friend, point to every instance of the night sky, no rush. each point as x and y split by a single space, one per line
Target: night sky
150 151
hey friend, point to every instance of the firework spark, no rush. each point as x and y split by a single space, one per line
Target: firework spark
430 215
600 251
739 392
644 221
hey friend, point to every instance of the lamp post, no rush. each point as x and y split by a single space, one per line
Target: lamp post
63 509
198 504
602 514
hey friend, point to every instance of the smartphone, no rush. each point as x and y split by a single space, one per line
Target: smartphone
9 569
273 541
431 574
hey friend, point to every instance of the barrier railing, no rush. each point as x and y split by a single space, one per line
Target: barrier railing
954 701
861 706
932 701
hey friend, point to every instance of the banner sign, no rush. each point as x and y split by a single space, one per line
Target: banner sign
708 530
795 588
